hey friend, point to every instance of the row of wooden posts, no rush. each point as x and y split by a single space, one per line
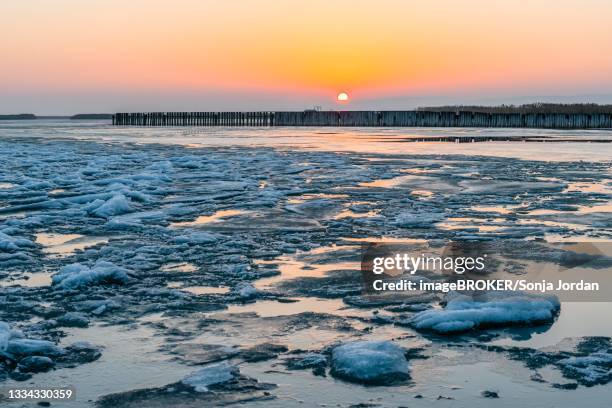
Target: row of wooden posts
367 118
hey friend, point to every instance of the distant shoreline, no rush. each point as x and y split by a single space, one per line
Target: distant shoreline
20 116
79 116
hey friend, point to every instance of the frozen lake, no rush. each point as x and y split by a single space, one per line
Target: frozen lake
170 250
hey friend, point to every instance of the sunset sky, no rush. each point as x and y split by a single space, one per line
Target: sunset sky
68 56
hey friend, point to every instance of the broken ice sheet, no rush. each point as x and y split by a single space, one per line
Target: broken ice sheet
492 309
295 205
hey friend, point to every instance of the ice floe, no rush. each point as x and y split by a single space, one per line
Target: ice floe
21 357
35 364
426 220
592 369
463 313
116 205
211 374
75 276
196 238
22 347
370 362
245 290
9 243
73 319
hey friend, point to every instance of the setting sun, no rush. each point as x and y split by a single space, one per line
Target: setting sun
342 97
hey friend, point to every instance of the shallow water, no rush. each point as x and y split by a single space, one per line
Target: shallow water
62 245
205 219
129 361
362 140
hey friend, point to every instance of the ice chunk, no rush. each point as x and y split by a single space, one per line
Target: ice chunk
196 238
162 167
418 220
31 347
87 198
77 275
116 205
589 370
186 162
73 319
464 313
315 208
153 216
7 334
370 362
37 184
35 364
245 290
98 307
10 243
124 222
211 374
309 360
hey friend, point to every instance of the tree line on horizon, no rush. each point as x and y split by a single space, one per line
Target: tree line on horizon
538 107
31 116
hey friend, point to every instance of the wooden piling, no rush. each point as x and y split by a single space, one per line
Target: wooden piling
366 118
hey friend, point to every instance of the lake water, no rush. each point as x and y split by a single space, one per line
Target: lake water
362 140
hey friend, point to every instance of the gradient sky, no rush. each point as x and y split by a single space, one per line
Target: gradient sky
68 56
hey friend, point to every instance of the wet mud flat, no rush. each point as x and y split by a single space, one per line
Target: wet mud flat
143 274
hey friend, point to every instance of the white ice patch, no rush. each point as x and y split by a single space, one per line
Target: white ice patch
136 220
76 275
13 343
245 290
7 334
464 313
370 362
31 347
116 205
10 243
211 374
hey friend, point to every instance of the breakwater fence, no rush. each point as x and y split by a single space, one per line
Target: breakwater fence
367 119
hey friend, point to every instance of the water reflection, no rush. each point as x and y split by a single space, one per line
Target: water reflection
63 245
207 219
362 140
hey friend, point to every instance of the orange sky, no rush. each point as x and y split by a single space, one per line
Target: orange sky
111 55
